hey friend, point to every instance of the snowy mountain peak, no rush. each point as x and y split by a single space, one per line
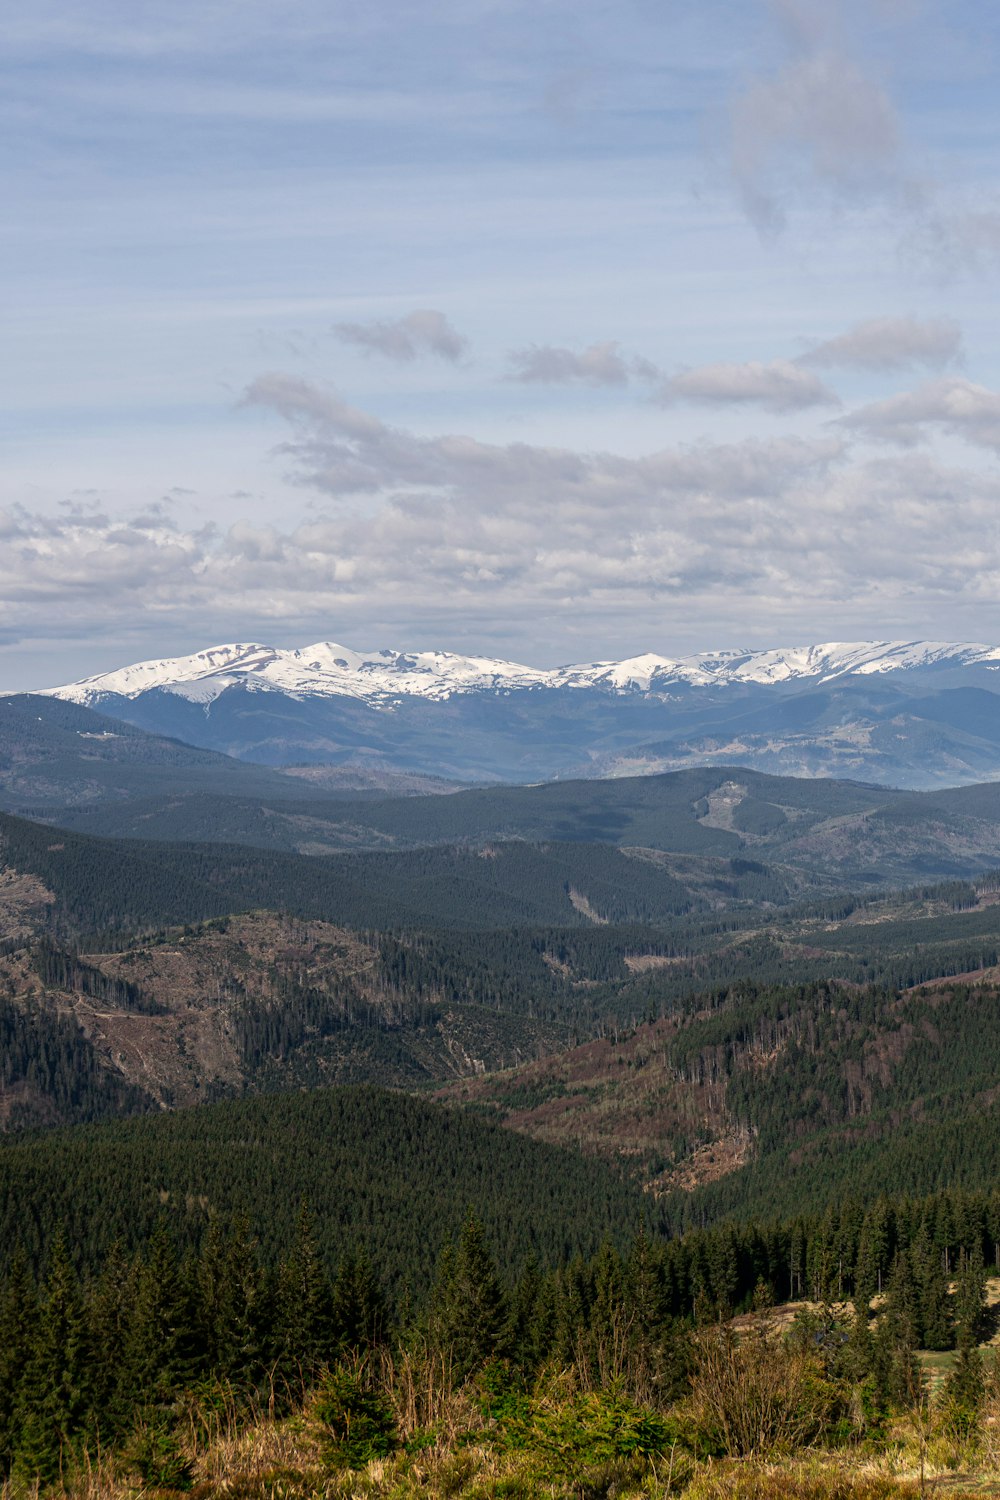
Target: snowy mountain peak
384 676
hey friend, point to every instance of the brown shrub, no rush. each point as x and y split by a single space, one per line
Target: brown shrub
755 1394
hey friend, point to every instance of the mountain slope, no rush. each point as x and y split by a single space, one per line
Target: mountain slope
837 832
56 754
762 1100
395 1172
893 712
382 676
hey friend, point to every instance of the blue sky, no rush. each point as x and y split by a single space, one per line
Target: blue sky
553 331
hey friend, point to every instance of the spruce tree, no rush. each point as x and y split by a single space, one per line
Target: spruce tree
231 1298
938 1330
970 1296
18 1323
160 1346
469 1316
359 1315
303 1323
109 1309
54 1397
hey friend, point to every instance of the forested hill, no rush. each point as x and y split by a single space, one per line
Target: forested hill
771 1100
56 755
128 885
383 1169
840 831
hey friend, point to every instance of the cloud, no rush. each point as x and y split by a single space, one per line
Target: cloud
891 344
464 538
780 386
600 364
423 331
950 237
820 117
956 406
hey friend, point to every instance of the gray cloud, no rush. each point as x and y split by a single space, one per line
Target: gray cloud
950 237
779 386
423 331
891 344
956 406
820 113
600 364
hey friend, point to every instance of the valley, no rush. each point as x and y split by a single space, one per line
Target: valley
630 1057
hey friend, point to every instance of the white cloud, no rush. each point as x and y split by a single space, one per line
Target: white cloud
452 537
957 406
600 364
423 331
779 386
891 344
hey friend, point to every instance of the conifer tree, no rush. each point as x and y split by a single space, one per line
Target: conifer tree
18 1323
160 1346
359 1315
609 1322
903 1304
231 1299
54 1396
469 1314
938 1331
970 1296
110 1305
872 1264
303 1330
572 1309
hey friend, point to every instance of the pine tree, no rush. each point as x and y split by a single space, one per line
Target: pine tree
609 1323
970 1296
109 1310
938 1330
231 1296
872 1261
903 1305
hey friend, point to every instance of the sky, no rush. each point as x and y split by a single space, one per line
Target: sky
551 331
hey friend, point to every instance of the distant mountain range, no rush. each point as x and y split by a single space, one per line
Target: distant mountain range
906 713
380 678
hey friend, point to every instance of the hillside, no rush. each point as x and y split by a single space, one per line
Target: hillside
760 1100
123 885
55 755
392 1172
839 832
385 973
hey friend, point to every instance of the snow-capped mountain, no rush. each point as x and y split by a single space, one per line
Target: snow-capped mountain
382 677
910 713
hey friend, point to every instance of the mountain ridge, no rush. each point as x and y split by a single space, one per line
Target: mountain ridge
899 713
329 669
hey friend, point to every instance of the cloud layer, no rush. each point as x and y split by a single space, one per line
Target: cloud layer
697 543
